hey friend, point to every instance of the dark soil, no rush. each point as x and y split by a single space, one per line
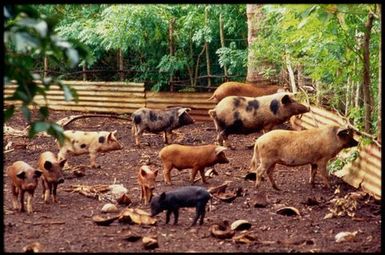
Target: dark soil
68 226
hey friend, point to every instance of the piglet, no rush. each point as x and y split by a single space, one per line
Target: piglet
194 157
81 142
188 196
52 174
146 180
24 178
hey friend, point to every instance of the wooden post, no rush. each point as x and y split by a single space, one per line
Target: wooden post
207 53
84 71
120 64
222 36
171 47
45 74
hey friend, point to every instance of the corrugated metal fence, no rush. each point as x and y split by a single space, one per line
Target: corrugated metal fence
120 97
365 171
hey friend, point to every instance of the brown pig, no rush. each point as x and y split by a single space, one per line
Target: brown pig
295 148
52 174
195 157
146 180
245 115
24 178
232 88
81 142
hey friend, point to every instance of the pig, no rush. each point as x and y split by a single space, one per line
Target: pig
52 174
24 178
155 121
146 180
243 89
245 115
295 148
81 142
195 157
187 196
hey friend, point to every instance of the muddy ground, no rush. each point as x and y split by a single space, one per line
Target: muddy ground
68 226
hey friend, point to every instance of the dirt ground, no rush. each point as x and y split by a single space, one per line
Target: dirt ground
68 226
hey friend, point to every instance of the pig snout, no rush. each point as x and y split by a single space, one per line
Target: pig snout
30 186
352 143
60 180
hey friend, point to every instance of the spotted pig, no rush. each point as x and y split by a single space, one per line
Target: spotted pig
81 142
245 115
155 121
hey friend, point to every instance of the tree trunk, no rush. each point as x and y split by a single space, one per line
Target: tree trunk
348 96
191 68
300 76
253 17
207 53
171 47
45 74
379 82
84 71
120 64
368 105
222 36
291 75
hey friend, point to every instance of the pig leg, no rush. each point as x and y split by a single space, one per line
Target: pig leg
15 194
146 195
142 194
200 212
166 173
263 167
323 172
168 213
270 175
193 174
93 159
29 202
54 188
47 191
313 171
138 134
202 172
165 137
22 200
176 216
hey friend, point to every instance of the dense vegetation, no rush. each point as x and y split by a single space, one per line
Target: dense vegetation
335 46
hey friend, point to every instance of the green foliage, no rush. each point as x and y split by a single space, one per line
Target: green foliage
325 39
338 163
27 34
234 59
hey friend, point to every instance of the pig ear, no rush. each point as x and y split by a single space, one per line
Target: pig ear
110 135
343 131
142 172
21 175
286 99
182 110
162 196
38 173
62 162
219 149
48 165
